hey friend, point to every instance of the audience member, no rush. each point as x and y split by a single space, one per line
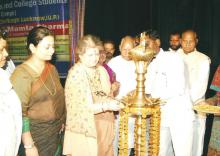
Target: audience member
9 66
176 114
198 74
137 40
124 68
10 107
174 42
38 86
90 119
102 59
109 47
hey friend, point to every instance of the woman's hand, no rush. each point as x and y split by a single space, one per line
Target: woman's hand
31 151
30 148
202 103
212 100
113 105
115 88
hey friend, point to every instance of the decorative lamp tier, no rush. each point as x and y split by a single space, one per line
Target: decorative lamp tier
141 57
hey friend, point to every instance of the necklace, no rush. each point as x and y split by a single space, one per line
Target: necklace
55 90
93 77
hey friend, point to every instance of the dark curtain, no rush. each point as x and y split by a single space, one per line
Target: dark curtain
201 15
114 19
77 14
117 18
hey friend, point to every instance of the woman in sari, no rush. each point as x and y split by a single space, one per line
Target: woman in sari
38 86
90 119
102 61
10 107
214 143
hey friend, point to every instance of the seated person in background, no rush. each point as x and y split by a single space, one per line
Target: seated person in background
10 107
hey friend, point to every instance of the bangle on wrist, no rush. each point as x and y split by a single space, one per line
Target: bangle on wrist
29 146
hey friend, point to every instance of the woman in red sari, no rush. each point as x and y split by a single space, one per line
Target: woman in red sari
214 143
38 86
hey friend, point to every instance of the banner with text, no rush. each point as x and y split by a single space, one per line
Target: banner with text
21 16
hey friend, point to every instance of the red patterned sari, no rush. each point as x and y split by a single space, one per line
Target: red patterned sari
214 144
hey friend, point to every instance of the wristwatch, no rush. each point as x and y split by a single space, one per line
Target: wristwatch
29 146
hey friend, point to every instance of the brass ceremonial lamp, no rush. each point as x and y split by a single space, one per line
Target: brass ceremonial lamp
141 107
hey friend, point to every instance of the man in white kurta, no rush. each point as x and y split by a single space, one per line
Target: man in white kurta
174 42
10 67
10 108
124 69
198 65
166 80
10 117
